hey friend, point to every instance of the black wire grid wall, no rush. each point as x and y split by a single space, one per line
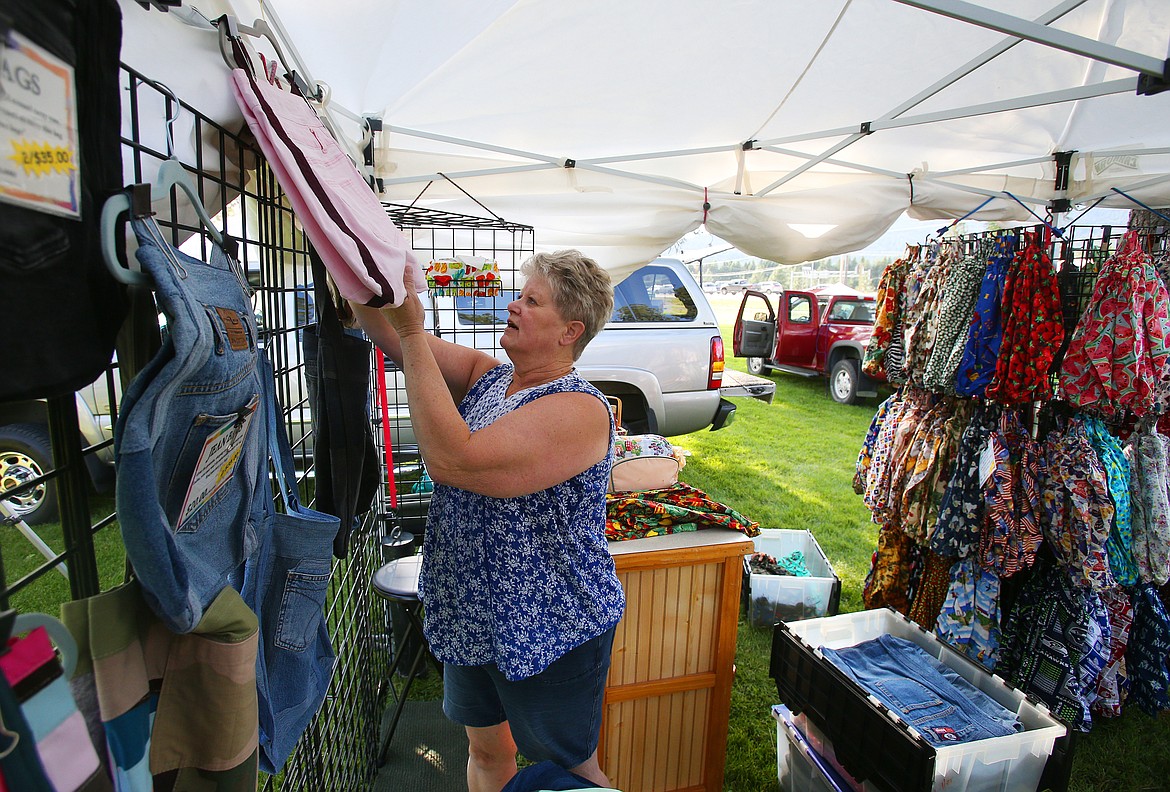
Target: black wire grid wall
338 750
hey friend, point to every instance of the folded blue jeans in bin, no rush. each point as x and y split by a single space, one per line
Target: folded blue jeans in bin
940 704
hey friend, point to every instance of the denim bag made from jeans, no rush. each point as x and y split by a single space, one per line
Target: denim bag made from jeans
286 583
188 442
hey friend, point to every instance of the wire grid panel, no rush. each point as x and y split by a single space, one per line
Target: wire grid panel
338 748
441 235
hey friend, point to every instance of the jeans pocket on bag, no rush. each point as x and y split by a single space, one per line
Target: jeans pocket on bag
302 605
206 467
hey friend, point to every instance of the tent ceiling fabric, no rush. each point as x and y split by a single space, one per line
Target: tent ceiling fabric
655 100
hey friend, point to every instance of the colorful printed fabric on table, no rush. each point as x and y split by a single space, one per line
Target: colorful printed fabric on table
1011 536
985 333
636 515
956 305
1033 327
1149 454
1148 651
1113 684
887 324
1077 513
969 616
1055 644
1119 350
963 507
1119 546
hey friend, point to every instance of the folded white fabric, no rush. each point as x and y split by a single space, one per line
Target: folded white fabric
368 257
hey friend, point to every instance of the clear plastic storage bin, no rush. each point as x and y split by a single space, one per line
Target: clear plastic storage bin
773 598
874 745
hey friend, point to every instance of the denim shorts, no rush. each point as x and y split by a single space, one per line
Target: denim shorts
554 715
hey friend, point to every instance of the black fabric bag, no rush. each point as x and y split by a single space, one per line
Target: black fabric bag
61 306
337 370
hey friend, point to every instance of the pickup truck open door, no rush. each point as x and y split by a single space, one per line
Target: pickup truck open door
754 335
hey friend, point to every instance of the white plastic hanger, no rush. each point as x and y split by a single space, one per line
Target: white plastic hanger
171 173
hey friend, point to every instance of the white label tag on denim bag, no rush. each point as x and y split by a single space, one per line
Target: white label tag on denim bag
217 461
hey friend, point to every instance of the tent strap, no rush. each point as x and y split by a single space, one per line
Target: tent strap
1141 204
955 222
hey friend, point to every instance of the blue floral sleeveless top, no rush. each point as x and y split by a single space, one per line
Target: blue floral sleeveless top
518 582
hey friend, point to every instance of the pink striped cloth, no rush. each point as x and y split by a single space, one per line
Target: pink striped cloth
368 257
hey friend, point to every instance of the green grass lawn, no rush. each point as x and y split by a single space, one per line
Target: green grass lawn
46 593
790 465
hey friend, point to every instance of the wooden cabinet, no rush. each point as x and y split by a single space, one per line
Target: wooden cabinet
668 696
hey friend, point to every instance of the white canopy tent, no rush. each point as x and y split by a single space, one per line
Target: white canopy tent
793 130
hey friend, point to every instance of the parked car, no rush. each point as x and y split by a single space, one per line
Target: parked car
734 286
811 335
768 287
25 450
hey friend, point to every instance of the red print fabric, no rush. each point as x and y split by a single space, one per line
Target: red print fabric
1032 330
1119 351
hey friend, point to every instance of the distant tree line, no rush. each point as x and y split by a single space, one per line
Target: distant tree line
858 272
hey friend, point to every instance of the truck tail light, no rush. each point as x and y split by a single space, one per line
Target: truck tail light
715 371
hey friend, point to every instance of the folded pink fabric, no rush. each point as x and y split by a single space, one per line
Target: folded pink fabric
367 256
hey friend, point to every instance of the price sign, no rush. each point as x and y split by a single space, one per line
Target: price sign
39 165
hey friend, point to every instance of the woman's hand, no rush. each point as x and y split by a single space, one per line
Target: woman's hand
408 318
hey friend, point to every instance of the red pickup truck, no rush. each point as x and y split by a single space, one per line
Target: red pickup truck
812 335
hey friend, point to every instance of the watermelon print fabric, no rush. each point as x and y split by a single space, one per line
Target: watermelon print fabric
1120 349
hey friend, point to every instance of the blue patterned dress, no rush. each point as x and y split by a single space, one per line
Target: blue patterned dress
518 581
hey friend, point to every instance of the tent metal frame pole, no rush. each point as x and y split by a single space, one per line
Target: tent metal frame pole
970 66
982 59
837 162
1042 34
1124 85
1019 103
465 174
980 190
656 155
995 166
812 162
418 133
